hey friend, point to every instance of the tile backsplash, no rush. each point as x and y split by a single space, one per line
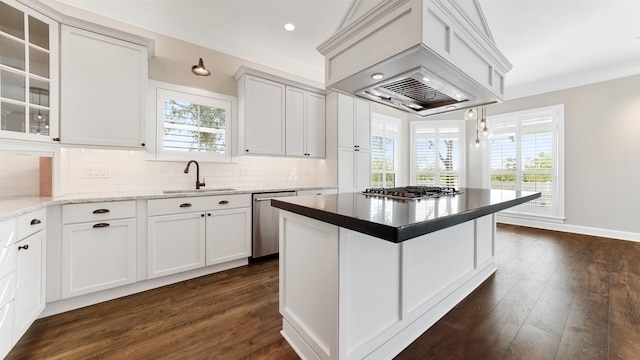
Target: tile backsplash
20 175
89 170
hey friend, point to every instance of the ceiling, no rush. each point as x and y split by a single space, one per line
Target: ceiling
552 44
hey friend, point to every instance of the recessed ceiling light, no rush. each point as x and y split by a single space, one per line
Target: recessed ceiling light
289 27
377 76
426 79
451 107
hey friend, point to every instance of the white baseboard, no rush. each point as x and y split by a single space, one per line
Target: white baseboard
576 229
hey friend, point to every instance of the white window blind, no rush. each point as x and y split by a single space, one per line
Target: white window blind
525 154
437 158
384 151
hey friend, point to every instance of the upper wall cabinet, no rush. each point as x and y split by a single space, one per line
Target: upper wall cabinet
28 74
277 116
103 90
305 123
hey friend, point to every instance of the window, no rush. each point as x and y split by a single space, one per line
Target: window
437 157
385 131
191 123
525 153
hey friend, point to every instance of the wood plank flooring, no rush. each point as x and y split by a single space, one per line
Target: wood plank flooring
555 296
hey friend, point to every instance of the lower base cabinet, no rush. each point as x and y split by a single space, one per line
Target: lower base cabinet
97 256
228 235
175 243
190 233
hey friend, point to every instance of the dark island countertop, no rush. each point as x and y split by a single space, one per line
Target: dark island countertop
397 220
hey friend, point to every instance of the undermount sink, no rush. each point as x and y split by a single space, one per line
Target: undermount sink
189 191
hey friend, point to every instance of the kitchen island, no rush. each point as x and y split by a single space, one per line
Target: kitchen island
363 276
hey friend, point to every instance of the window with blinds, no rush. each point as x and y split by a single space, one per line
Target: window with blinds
525 154
384 150
192 126
437 157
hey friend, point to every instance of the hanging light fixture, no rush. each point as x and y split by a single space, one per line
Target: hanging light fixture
485 132
476 144
40 118
200 69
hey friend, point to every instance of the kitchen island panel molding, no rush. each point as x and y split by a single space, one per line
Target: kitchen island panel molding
349 295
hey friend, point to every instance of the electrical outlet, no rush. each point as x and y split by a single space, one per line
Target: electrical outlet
96 172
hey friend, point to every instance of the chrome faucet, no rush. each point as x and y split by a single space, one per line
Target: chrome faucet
186 171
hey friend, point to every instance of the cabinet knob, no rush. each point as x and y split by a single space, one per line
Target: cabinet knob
246 150
56 139
100 225
185 205
201 215
101 211
208 214
35 222
143 144
23 247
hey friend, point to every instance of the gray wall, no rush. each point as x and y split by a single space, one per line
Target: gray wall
602 151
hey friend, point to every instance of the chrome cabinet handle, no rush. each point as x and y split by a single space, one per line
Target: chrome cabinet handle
185 205
36 222
101 211
100 225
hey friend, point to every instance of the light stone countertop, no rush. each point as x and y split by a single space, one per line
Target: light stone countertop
17 205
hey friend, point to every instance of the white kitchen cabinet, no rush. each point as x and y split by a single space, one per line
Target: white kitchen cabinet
176 243
228 234
28 74
103 89
193 232
98 246
261 116
30 275
354 170
354 122
8 234
354 143
305 123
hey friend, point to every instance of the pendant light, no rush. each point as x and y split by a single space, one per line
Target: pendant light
485 132
200 69
476 144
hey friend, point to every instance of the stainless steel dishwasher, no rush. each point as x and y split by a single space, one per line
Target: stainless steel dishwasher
265 223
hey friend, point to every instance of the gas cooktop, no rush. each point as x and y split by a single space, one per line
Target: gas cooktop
412 192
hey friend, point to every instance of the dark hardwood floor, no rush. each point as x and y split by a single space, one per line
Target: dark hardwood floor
554 296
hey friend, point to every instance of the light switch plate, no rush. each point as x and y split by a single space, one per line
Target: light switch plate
96 172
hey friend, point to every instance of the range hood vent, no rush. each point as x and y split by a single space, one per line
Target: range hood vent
420 56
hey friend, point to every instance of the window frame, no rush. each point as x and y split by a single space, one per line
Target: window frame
385 120
160 91
460 124
557 212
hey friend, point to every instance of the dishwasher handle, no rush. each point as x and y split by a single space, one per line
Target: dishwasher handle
262 199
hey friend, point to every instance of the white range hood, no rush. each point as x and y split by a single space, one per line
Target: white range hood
420 56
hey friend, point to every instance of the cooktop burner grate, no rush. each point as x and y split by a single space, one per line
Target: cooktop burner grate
412 192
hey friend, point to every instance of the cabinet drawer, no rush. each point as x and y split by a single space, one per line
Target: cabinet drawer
31 223
7 260
201 203
8 229
98 211
7 289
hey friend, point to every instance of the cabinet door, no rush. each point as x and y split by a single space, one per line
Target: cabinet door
228 235
103 90
97 256
264 111
28 74
295 119
175 243
346 170
30 282
362 170
346 126
315 125
6 329
362 123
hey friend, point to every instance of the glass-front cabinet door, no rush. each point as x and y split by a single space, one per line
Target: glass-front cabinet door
28 74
